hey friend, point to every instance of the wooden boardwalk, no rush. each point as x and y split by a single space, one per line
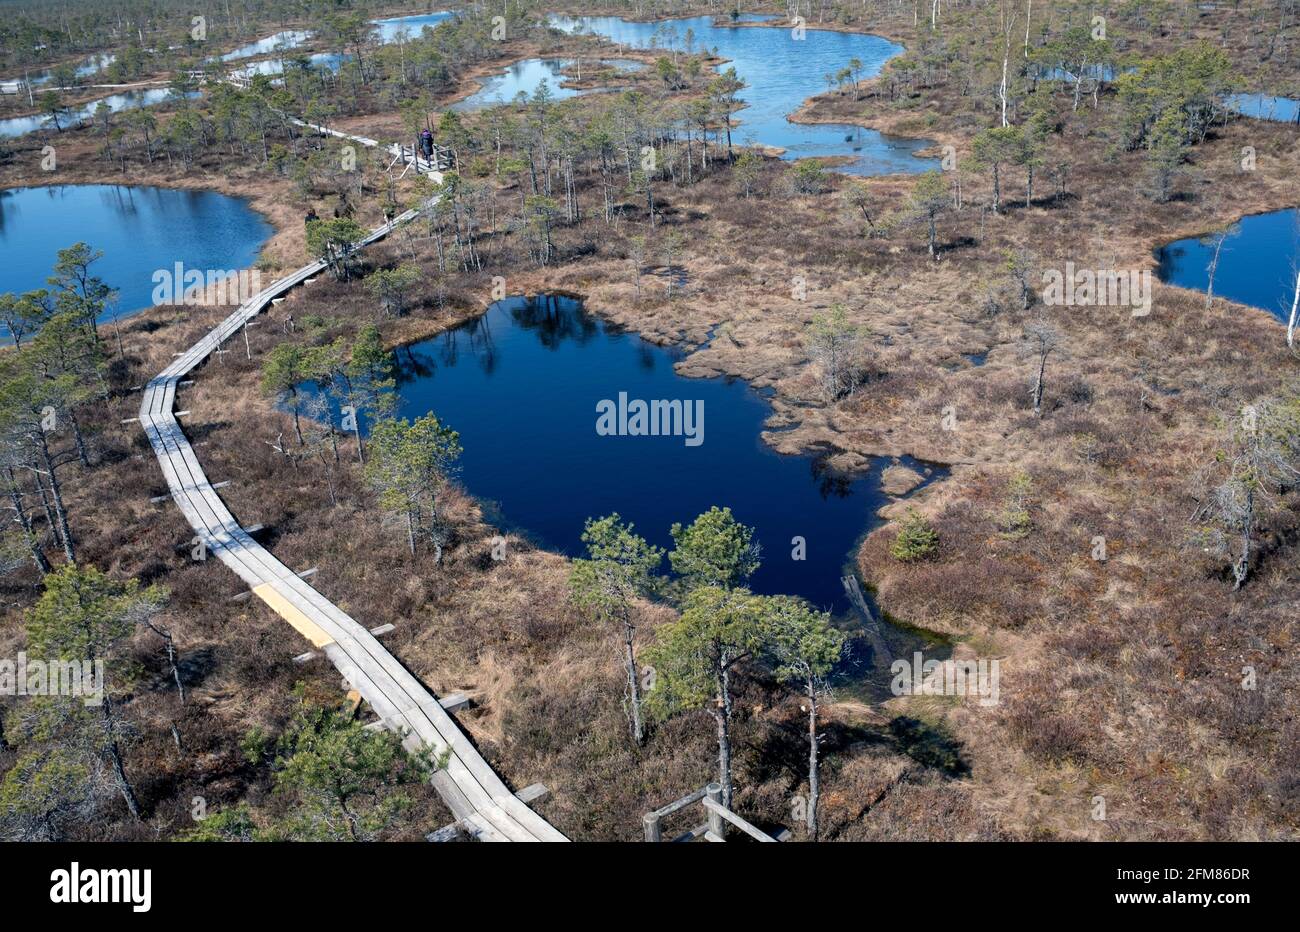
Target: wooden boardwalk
477 797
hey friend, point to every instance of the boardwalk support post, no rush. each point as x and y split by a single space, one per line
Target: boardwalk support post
455 702
717 826
532 793
714 827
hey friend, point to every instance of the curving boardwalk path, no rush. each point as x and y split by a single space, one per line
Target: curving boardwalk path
477 797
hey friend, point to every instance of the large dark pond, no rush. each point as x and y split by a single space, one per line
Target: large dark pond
522 384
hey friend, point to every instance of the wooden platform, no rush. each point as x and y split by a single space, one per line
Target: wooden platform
477 797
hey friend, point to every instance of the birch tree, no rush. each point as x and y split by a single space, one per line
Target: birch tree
619 568
835 345
804 649
1042 338
1008 24
1214 242
1295 307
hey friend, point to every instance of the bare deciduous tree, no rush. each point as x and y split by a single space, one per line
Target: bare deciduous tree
1042 338
1295 307
1259 462
1215 242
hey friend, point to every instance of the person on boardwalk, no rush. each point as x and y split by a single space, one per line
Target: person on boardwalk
426 144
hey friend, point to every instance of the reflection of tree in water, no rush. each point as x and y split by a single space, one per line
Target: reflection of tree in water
445 349
1167 259
410 366
645 355
5 210
122 199
449 346
830 482
554 319
481 342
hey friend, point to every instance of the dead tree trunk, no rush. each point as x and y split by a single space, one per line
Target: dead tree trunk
814 777
20 515
633 687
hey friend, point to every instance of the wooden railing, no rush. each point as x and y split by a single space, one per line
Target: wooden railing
714 827
440 161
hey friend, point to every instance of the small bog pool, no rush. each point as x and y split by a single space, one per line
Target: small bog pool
1266 107
141 230
782 71
1257 264
127 100
526 77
